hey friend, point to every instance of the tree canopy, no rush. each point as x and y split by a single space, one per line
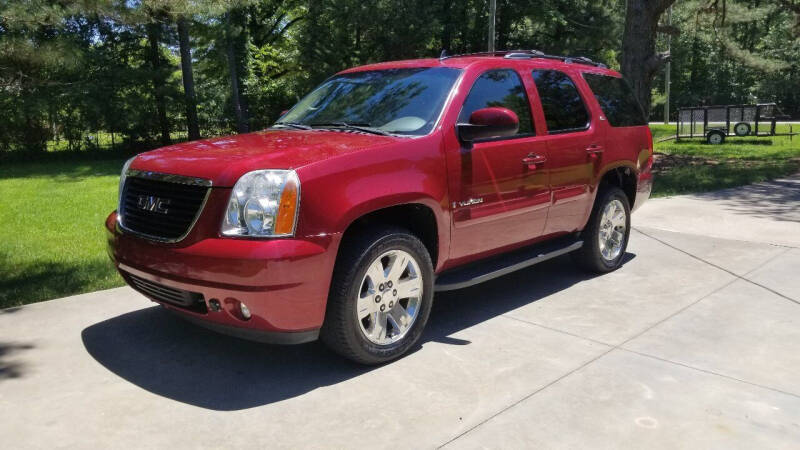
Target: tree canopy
79 74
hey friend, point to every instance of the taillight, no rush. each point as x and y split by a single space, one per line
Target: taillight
646 155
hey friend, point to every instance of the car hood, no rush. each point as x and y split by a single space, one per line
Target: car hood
223 160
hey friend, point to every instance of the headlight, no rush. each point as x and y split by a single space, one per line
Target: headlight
263 203
122 177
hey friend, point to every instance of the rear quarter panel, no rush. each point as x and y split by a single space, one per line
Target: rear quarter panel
628 147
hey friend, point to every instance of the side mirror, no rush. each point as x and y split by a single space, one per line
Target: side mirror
488 123
283 113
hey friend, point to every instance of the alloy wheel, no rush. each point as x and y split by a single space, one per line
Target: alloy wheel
389 297
613 223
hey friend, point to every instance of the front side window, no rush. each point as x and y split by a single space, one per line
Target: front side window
499 88
616 100
400 101
563 106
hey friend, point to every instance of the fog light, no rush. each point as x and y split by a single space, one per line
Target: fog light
244 310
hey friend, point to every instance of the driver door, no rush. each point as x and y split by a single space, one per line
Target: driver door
504 195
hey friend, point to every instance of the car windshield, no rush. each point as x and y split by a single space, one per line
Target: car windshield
396 101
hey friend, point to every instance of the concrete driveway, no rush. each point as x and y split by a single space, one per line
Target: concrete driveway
693 343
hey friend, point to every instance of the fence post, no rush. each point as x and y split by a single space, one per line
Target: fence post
727 120
758 117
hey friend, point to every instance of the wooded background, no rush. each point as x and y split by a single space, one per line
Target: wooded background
77 75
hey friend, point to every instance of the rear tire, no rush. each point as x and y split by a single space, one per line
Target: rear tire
605 237
380 298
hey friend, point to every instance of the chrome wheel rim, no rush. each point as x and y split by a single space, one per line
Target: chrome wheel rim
716 138
389 297
613 223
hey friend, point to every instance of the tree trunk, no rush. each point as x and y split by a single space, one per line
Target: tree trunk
640 62
239 109
504 18
188 79
447 27
153 35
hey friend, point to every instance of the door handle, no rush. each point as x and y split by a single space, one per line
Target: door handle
533 160
594 151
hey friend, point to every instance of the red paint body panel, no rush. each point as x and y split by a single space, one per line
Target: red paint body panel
284 282
494 116
223 160
343 176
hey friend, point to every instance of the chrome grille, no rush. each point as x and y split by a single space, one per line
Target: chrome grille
161 207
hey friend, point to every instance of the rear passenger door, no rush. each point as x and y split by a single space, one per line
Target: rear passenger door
573 146
503 201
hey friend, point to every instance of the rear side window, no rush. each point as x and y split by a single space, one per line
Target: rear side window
563 107
616 100
499 88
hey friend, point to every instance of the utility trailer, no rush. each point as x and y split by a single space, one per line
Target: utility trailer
715 123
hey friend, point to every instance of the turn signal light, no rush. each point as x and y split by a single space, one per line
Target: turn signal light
287 208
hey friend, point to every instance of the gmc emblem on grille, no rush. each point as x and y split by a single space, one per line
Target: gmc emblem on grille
153 204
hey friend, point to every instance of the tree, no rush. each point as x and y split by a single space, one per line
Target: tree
640 61
73 72
794 7
188 78
159 79
234 47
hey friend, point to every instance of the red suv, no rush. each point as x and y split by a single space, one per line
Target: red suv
385 184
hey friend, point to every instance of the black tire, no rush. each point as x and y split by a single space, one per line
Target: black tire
589 256
341 331
741 129
715 137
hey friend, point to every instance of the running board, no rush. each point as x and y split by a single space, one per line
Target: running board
497 266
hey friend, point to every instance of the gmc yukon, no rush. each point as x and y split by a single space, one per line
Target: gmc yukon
385 184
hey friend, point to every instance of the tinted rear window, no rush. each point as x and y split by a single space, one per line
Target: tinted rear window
616 100
563 106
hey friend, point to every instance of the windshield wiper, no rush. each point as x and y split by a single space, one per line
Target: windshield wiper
365 127
295 125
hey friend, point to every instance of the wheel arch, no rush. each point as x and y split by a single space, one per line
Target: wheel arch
417 215
623 176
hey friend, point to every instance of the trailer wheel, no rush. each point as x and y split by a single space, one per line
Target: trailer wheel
741 129
715 137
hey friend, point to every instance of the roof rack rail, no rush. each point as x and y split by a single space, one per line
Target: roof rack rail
529 54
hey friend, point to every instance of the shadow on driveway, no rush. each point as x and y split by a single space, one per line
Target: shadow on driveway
774 200
11 369
167 356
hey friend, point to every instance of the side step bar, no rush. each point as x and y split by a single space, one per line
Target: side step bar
497 266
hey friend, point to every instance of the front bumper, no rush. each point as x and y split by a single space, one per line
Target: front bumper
283 282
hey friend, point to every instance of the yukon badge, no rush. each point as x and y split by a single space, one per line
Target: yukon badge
469 202
152 204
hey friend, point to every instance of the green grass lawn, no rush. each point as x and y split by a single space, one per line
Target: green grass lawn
51 229
694 166
52 212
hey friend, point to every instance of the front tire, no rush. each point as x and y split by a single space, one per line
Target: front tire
605 237
381 296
